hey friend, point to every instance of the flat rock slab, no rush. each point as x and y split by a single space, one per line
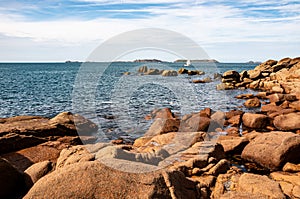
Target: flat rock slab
272 150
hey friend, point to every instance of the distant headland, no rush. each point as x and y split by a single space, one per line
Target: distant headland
197 60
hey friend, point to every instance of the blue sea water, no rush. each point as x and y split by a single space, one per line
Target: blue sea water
120 102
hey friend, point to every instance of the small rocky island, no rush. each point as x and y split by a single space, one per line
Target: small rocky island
207 154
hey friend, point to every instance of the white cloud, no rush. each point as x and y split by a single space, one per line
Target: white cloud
208 25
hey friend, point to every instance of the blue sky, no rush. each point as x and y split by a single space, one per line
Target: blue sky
229 31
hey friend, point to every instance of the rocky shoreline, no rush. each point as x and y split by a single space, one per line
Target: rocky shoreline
207 154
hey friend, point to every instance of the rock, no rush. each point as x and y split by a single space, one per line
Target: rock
183 71
126 73
245 96
217 76
11 181
255 121
143 69
74 123
161 126
235 120
221 167
36 171
254 74
152 71
75 154
225 86
205 112
195 72
270 108
287 122
99 181
252 103
205 80
290 167
163 113
233 144
292 178
261 95
233 131
169 73
171 142
29 131
232 113
261 185
295 105
277 89
194 123
273 150
231 74
8 142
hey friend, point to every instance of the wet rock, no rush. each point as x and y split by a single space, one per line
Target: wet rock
252 103
100 181
261 185
126 73
272 150
287 122
255 121
11 181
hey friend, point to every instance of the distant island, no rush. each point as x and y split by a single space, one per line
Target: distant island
253 62
148 60
197 60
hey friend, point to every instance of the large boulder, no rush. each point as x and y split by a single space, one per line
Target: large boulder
287 122
11 181
273 150
95 180
255 121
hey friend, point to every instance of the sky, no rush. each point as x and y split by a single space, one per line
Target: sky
228 31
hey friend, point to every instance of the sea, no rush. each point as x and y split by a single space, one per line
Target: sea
116 102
